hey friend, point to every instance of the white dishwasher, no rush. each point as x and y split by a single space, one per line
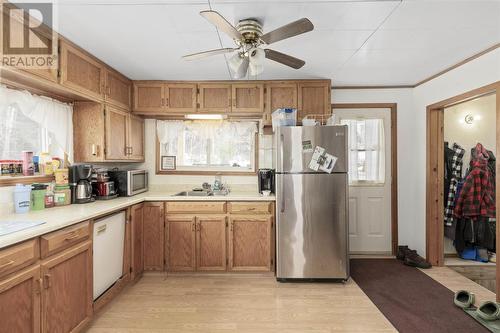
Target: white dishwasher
109 240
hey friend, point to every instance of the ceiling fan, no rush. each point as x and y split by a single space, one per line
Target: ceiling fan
249 39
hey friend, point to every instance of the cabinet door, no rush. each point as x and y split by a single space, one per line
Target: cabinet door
149 97
248 98
250 243
181 240
116 133
20 302
279 95
313 98
211 243
81 72
67 290
88 132
180 98
118 89
135 138
154 236
214 97
137 219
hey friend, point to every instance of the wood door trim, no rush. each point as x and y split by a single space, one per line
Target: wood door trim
435 172
394 160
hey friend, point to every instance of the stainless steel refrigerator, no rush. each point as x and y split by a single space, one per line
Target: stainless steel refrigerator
311 206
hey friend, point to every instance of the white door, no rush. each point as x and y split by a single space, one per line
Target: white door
369 179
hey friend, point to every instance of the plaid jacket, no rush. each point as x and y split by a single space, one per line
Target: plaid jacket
477 196
456 175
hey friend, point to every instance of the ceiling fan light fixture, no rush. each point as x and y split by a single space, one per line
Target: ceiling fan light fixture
238 64
256 57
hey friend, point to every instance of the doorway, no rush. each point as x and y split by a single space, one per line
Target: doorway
440 128
372 176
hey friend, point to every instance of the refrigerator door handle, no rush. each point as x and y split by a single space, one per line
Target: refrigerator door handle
282 141
282 191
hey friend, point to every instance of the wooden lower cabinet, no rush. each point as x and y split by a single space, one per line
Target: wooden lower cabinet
250 240
211 243
137 225
154 233
181 243
67 290
20 301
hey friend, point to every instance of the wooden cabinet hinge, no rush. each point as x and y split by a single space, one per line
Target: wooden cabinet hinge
227 261
227 224
197 90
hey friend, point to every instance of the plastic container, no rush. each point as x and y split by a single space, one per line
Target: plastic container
38 196
62 195
22 198
284 117
28 167
61 176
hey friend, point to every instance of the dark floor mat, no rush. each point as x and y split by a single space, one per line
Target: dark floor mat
411 300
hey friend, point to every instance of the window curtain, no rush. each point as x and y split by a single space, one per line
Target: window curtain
366 148
52 115
168 130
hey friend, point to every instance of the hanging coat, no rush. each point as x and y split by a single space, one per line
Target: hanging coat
477 196
456 175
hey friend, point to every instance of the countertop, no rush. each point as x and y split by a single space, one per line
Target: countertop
60 217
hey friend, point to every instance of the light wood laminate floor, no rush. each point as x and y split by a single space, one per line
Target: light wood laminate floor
239 303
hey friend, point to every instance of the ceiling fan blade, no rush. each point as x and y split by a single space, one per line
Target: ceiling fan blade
199 55
292 29
221 23
284 59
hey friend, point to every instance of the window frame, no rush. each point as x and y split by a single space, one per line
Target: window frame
209 172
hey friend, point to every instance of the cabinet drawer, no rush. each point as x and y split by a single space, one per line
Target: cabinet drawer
250 207
196 207
62 239
19 256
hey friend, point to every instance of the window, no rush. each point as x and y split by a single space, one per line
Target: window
208 145
366 150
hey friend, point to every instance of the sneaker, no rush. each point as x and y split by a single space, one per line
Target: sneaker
414 260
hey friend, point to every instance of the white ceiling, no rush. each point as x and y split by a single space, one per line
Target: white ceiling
353 42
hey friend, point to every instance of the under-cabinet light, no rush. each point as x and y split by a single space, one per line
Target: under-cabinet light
206 116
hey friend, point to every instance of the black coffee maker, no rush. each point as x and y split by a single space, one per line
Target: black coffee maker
266 180
79 183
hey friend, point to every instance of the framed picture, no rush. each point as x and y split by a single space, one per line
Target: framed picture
167 163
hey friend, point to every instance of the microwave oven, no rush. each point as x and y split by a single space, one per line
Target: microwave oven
129 182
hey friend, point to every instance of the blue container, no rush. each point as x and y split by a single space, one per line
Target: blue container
22 198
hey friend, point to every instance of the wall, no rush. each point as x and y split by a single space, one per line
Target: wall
482 129
412 105
266 156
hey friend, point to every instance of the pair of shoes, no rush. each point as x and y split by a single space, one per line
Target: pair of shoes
488 310
411 258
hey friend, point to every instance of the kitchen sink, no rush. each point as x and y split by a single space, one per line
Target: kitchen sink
193 194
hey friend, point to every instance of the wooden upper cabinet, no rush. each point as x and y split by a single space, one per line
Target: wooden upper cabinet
214 97
281 95
67 289
181 240
250 243
154 236
20 301
149 97
118 89
210 243
135 138
116 133
88 132
248 97
81 72
313 98
180 98
137 262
